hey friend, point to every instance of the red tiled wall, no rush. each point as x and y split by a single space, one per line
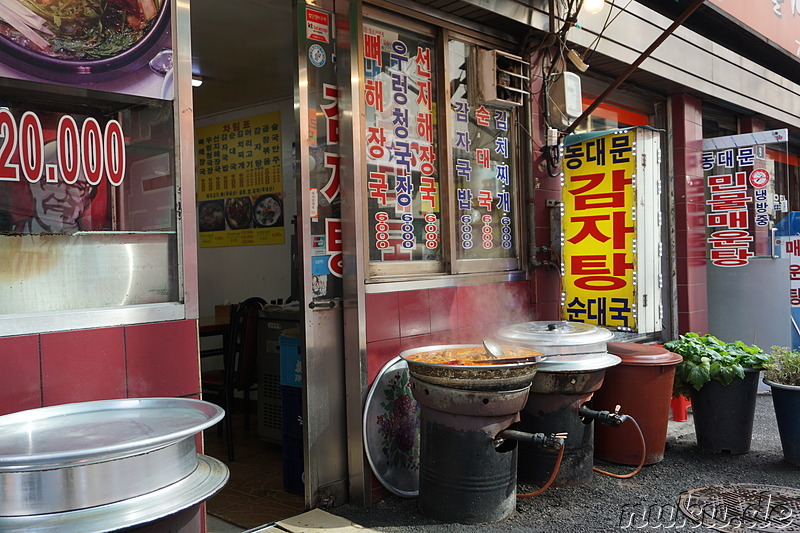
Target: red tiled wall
690 253
398 321
158 359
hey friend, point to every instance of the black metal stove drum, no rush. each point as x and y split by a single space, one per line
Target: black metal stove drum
483 425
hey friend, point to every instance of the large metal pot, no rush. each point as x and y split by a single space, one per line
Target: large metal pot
574 368
104 465
429 364
572 348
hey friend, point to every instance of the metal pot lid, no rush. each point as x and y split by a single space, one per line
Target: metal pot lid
643 354
556 337
588 362
87 432
206 480
391 430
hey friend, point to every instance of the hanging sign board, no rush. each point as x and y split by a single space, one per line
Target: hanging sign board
599 206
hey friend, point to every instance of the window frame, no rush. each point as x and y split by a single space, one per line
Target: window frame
450 266
70 101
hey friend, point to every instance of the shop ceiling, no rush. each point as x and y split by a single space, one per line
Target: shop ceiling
241 50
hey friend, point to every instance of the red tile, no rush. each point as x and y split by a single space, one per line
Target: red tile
383 316
477 305
415 313
690 270
545 311
473 335
679 170
162 359
20 380
83 365
378 354
416 341
548 285
443 305
444 337
692 298
696 321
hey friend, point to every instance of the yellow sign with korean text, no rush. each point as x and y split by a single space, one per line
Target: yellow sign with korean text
599 224
239 182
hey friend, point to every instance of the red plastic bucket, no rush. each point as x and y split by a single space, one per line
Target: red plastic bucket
642 386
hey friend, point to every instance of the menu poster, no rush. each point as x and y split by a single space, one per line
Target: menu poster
239 182
113 46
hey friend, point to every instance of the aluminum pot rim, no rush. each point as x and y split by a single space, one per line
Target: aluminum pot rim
207 413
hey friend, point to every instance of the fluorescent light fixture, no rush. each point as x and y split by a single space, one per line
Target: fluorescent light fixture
197 81
594 6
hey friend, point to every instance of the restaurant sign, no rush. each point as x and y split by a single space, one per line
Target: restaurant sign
742 196
609 240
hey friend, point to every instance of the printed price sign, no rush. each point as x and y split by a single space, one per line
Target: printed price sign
98 152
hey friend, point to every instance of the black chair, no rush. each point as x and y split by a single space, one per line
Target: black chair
239 364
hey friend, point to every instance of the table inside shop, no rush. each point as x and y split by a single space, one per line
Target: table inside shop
212 326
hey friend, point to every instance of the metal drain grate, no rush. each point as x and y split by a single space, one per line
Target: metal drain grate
743 508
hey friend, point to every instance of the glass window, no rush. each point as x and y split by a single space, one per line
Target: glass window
87 201
441 184
404 199
483 172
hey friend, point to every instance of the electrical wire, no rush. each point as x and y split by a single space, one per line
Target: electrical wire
549 481
589 49
641 461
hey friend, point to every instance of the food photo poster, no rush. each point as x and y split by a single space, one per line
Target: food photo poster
118 46
239 182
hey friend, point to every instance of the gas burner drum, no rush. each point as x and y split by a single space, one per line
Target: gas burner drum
573 369
467 474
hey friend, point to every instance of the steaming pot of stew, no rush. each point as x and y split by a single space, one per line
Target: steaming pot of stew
469 366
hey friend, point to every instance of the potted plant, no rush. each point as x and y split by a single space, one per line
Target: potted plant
783 376
721 378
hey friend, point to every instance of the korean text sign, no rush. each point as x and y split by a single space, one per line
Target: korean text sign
482 148
403 182
599 222
240 186
742 195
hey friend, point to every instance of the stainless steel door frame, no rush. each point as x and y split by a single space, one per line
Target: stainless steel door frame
324 410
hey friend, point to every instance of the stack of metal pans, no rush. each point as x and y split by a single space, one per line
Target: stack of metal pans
104 465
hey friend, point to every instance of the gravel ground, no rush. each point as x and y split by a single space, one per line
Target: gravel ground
609 504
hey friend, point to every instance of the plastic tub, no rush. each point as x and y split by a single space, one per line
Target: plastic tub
642 386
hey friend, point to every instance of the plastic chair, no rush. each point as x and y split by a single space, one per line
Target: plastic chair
239 364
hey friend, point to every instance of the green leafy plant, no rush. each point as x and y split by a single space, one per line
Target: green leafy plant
706 358
784 368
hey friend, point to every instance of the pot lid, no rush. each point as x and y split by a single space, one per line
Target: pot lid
643 354
585 362
391 430
556 337
205 481
87 432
